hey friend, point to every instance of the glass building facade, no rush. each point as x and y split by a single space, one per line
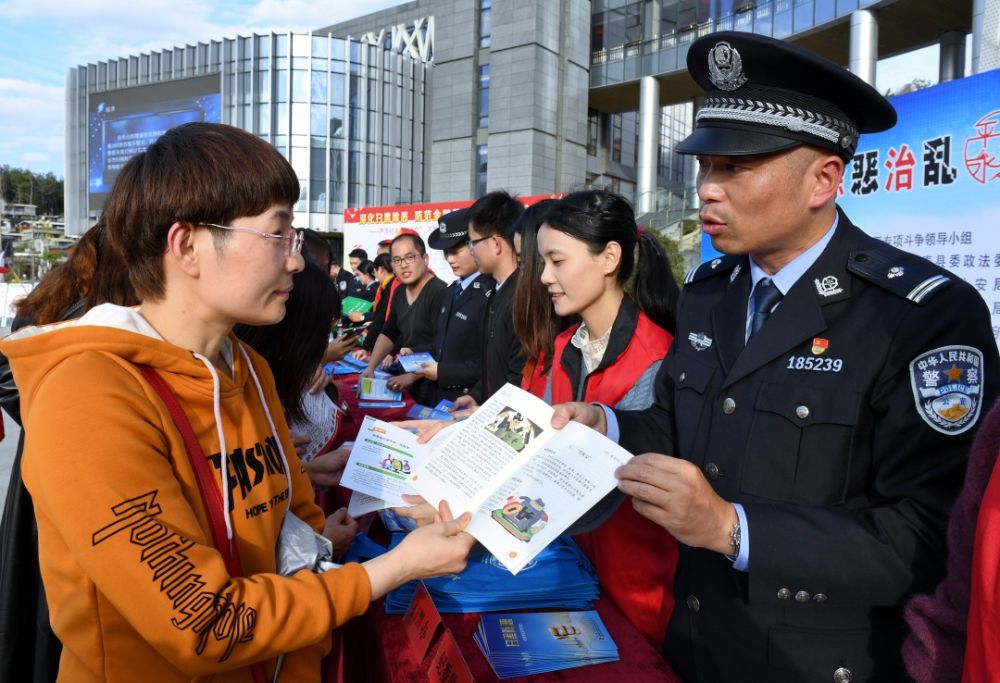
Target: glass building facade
634 38
350 117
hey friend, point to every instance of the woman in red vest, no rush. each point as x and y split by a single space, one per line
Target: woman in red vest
617 279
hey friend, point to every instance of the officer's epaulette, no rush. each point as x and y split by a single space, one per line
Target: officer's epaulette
716 266
907 275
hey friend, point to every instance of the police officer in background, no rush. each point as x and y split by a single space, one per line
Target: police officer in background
458 339
817 405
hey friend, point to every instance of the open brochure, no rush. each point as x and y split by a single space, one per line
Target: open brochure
524 482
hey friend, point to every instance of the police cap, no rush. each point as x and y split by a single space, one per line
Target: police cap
765 95
452 230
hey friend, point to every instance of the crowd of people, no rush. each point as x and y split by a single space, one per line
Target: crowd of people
811 494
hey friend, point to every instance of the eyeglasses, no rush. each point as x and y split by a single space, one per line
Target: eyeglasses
471 244
292 238
408 259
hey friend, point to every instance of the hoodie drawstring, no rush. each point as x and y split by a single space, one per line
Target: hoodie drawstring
270 422
224 469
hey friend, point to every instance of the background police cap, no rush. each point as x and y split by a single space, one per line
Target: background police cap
765 95
452 230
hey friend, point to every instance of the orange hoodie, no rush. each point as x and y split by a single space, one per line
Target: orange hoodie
134 583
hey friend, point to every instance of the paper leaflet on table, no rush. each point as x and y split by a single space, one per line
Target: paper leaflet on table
524 482
520 644
373 389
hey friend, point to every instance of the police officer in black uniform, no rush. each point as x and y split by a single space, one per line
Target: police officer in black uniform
458 339
820 397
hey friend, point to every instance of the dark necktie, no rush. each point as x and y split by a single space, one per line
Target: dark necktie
765 297
452 302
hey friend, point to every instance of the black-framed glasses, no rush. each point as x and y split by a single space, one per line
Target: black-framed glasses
408 259
471 244
292 238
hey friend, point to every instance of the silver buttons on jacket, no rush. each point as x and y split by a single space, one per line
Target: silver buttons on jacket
712 471
729 406
784 594
802 412
802 596
843 675
693 603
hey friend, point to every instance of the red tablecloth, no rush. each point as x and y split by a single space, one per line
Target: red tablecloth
347 386
375 648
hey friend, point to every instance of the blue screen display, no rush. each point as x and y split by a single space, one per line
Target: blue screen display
125 122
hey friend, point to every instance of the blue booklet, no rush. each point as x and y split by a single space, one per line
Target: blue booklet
535 642
415 361
419 412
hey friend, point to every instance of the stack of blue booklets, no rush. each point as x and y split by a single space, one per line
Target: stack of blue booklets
348 365
537 642
561 577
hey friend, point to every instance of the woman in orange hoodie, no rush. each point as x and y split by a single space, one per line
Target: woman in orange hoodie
599 266
158 562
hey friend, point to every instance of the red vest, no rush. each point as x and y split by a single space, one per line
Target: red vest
635 558
982 661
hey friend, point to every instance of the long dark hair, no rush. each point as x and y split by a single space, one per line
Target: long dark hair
294 347
535 322
597 217
93 274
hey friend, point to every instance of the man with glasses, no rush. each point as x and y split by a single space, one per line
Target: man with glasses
489 221
414 307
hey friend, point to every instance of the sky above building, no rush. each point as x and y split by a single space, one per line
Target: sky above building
40 40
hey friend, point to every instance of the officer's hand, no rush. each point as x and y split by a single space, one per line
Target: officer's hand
675 494
425 429
585 413
464 406
429 371
401 382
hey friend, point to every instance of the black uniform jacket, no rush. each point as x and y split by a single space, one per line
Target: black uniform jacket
815 426
503 358
458 342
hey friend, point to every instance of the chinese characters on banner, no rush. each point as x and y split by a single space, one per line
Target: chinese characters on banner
365 227
931 184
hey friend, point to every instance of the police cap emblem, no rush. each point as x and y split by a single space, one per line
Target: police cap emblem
725 67
947 387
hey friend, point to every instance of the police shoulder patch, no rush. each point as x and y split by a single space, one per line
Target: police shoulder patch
716 266
906 275
947 387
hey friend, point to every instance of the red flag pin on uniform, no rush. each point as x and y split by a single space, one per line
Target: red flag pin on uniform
820 345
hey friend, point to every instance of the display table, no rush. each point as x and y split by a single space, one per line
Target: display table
375 648
347 388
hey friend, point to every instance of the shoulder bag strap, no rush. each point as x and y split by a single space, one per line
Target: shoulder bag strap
210 496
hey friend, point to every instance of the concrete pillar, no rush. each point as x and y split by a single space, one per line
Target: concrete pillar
864 45
951 64
985 35
649 143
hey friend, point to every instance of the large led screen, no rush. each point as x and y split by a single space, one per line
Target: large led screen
122 123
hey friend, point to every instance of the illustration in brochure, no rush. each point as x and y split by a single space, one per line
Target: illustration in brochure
513 429
522 517
379 465
522 470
